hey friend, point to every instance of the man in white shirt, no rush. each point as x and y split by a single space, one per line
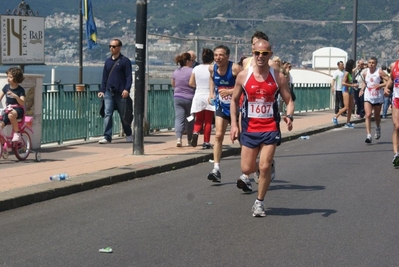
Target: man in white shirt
336 86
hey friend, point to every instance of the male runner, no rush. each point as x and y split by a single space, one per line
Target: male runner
260 117
221 83
243 182
393 82
375 80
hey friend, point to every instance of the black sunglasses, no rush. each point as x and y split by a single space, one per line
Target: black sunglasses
113 46
264 53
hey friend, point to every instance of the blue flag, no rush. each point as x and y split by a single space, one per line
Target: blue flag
91 29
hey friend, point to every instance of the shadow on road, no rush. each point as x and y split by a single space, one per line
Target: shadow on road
297 187
292 212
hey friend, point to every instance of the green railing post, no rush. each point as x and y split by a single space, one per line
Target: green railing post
88 96
60 111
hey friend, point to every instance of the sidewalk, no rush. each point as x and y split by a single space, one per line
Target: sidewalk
92 165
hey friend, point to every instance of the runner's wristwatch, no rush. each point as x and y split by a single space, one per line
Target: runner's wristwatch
290 117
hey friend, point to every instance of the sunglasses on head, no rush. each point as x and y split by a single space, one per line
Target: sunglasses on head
113 46
263 53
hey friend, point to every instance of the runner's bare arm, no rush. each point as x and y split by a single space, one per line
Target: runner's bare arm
236 69
384 77
237 91
286 95
389 84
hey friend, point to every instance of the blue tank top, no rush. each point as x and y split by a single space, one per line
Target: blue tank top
224 82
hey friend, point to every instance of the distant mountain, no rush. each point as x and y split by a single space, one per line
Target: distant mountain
163 13
292 40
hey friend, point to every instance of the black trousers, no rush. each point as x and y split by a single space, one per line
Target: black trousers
359 102
339 101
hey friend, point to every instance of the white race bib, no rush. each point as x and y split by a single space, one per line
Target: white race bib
260 109
225 99
374 93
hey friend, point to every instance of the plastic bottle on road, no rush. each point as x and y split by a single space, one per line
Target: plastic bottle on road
304 137
60 177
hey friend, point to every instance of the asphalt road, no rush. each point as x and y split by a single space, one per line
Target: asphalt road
334 203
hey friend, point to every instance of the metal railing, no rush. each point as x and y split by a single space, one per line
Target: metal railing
311 97
69 114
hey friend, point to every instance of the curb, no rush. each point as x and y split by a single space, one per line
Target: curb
42 192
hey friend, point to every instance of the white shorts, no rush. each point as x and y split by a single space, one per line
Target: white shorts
200 103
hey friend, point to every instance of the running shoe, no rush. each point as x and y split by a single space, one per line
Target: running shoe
368 139
334 120
377 133
395 161
244 183
215 176
258 209
349 126
194 140
273 174
206 146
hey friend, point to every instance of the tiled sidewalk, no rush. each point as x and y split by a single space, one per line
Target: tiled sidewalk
92 165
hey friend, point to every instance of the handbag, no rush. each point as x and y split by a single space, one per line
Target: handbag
102 108
127 107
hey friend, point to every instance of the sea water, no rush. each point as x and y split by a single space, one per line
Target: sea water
70 74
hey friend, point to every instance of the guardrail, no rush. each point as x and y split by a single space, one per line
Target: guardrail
70 114
311 97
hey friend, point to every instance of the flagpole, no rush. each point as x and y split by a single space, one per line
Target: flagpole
80 43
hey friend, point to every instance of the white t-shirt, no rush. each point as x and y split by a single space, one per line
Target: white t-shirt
372 95
200 100
202 75
338 76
